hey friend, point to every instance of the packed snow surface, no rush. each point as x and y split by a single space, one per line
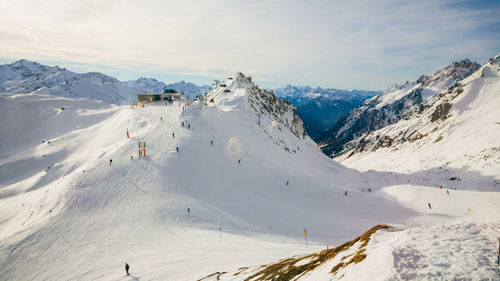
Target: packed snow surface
69 213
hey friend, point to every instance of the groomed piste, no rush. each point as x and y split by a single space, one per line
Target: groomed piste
77 202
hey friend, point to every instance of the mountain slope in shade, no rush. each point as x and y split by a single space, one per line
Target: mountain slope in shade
457 131
395 104
320 108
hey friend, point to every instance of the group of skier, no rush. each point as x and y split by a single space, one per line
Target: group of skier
447 192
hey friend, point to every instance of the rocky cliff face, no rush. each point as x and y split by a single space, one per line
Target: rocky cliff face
280 110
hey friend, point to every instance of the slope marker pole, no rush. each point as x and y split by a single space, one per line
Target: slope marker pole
305 235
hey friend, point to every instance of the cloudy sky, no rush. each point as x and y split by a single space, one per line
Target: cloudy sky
340 44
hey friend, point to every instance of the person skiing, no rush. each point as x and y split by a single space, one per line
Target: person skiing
448 192
211 142
345 193
441 187
110 160
189 126
429 205
286 182
177 148
127 268
182 124
173 135
239 161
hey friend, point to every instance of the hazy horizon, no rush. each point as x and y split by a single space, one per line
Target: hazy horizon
344 45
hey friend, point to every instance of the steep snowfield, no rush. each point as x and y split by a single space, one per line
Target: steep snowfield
457 136
66 213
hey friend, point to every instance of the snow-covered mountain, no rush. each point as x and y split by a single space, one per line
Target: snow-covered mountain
397 103
146 85
228 185
300 95
190 90
320 108
456 129
31 77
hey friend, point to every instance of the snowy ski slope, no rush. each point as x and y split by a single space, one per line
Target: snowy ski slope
66 213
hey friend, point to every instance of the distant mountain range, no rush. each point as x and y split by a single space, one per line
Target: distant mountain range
320 108
396 103
31 77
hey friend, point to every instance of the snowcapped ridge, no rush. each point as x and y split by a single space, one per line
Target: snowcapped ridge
455 127
23 77
398 102
303 94
31 77
240 91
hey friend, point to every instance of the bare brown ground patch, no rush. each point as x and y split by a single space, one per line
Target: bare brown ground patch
286 269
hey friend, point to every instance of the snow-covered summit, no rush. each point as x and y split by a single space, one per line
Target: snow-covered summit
189 89
456 128
146 85
429 85
299 95
23 77
396 103
239 92
31 77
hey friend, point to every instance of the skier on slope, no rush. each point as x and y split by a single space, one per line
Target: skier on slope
127 268
429 205
177 148
173 135
345 193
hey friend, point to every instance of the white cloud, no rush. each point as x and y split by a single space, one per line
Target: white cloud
330 43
